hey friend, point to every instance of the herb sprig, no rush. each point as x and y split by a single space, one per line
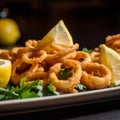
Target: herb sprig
27 90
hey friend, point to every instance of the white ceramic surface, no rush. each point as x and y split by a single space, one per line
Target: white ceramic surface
56 102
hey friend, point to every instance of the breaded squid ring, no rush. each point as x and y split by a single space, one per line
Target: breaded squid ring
95 56
31 44
58 56
17 52
57 47
70 55
69 84
96 76
113 41
19 71
38 75
34 57
83 57
5 54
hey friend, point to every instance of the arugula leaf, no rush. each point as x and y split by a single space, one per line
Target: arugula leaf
8 93
28 94
28 86
49 90
27 90
113 85
65 73
87 50
2 96
81 87
22 82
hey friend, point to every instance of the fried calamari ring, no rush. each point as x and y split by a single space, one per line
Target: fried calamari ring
96 76
13 54
5 54
70 55
31 44
83 57
3 50
69 84
56 57
95 56
39 75
21 69
113 41
34 57
57 47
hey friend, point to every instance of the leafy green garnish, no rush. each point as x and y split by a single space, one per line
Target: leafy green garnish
8 93
113 85
48 90
81 87
87 50
26 90
65 73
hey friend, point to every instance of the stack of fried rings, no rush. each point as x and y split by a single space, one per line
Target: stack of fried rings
38 64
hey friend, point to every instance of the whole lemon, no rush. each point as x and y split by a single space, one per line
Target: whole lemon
9 31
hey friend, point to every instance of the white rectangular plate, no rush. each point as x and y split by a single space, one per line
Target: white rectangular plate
55 102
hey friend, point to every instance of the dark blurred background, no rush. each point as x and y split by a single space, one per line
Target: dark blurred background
89 21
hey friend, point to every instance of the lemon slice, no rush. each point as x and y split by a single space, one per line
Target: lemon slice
5 72
59 34
111 59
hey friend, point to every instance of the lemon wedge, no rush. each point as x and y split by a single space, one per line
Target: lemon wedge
5 72
111 59
59 34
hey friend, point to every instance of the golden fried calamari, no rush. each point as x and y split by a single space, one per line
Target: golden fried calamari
96 76
31 44
83 57
113 41
34 57
62 54
69 84
21 69
38 64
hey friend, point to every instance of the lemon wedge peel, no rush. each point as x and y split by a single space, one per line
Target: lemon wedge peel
5 72
59 34
111 59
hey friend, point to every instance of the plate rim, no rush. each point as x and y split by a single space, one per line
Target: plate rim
16 106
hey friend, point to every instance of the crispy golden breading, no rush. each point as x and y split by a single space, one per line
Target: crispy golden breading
113 41
38 64
96 76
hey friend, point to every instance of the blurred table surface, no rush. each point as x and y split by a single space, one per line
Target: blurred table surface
88 21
